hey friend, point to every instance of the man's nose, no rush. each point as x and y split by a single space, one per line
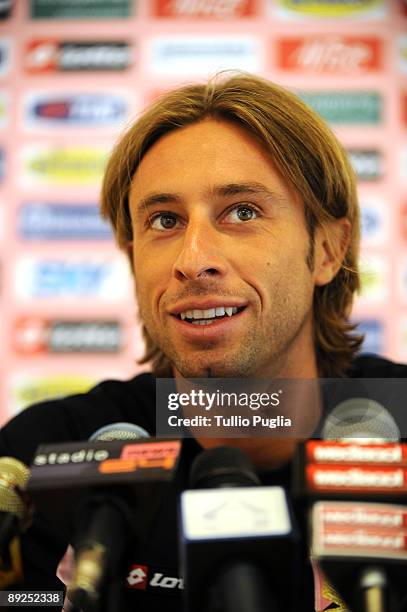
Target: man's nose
201 252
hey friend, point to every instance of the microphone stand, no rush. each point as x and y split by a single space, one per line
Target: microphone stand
99 554
242 586
373 583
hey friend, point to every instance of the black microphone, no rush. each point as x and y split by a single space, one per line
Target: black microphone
104 525
92 489
15 517
357 476
238 544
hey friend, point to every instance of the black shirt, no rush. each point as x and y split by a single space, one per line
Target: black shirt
152 581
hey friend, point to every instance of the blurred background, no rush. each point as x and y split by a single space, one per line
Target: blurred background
74 73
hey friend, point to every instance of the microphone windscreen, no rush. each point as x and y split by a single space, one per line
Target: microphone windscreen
223 466
360 417
13 475
119 431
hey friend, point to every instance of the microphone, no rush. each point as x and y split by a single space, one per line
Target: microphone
98 483
238 544
15 516
358 467
63 474
104 527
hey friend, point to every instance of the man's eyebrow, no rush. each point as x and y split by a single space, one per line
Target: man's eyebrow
252 187
227 190
156 198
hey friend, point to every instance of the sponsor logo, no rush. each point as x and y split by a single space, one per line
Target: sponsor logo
353 107
370 540
404 108
32 389
54 165
66 9
321 477
404 221
5 46
40 221
34 335
364 517
373 331
217 9
404 279
104 278
403 159
151 452
201 55
330 54
78 110
2 166
81 456
138 578
373 222
3 109
368 454
145 456
374 275
85 337
402 47
46 55
6 7
346 9
166 582
403 336
367 163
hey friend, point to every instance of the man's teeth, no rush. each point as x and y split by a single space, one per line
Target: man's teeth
200 316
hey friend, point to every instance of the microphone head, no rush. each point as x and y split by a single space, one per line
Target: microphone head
13 475
361 418
119 431
224 466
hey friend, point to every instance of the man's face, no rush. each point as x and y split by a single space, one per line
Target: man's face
219 253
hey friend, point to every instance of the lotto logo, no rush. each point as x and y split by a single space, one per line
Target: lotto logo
137 578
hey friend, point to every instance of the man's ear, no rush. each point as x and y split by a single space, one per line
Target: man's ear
331 244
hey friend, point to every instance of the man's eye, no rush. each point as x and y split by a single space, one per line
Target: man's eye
242 212
163 221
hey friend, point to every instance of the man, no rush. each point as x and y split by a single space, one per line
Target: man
237 208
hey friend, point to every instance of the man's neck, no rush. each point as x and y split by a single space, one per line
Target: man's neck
302 405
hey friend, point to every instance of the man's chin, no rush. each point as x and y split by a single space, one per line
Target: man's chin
203 372
207 370
219 360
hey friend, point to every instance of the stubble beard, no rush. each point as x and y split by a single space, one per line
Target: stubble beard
280 337
263 355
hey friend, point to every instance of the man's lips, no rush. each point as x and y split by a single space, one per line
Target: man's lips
204 329
205 304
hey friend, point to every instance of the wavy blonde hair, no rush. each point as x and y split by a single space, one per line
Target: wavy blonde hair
308 156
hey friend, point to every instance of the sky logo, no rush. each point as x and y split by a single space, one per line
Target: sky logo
107 279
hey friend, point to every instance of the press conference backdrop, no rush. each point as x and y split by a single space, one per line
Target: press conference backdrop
74 73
